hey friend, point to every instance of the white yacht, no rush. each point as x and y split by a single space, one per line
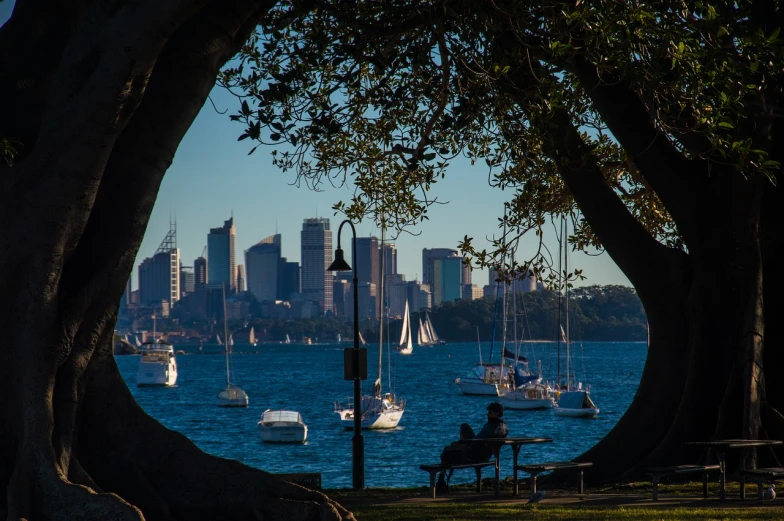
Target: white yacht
232 395
485 380
282 427
378 412
157 366
576 404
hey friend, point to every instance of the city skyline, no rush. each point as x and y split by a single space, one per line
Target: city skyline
212 178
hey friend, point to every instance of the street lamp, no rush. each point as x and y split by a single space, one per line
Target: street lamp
354 361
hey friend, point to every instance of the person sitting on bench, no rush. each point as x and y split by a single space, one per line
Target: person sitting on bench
458 452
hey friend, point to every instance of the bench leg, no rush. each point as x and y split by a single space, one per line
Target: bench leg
515 489
433 484
743 487
533 482
478 479
705 485
761 487
655 488
580 489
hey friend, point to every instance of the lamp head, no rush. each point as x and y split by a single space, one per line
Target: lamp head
339 264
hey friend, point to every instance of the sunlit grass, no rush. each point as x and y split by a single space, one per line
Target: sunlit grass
616 502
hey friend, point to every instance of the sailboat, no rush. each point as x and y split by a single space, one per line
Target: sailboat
379 410
426 336
574 400
232 395
405 346
288 339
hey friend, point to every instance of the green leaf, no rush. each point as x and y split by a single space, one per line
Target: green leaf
681 47
774 34
722 31
724 124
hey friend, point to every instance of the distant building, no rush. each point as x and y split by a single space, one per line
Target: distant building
187 281
240 278
447 279
472 292
264 268
522 284
368 269
290 279
199 273
159 275
222 267
342 296
316 247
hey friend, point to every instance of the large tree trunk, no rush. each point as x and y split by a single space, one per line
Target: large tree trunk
99 97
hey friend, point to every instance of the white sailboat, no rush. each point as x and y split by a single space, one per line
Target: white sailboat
405 346
232 395
426 336
380 410
575 399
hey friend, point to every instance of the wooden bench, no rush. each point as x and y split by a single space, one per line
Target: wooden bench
534 469
443 467
761 476
658 472
310 480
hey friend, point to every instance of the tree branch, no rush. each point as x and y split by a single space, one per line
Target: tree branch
675 179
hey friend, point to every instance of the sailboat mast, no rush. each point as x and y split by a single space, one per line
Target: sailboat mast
566 301
226 333
560 289
381 305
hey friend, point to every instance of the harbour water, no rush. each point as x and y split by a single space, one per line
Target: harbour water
309 379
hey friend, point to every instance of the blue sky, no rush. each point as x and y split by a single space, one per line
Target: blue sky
212 177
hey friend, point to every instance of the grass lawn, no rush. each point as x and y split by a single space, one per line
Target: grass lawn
628 501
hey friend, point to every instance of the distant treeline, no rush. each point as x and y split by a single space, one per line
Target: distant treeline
597 313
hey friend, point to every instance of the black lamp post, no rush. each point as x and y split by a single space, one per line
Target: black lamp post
355 364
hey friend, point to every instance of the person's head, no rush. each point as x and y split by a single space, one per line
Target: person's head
495 409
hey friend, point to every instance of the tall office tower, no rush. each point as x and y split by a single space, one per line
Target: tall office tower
390 258
429 256
368 270
199 273
240 278
447 280
264 268
159 275
341 297
222 268
316 244
289 279
187 280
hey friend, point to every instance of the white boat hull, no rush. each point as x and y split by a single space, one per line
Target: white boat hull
377 420
577 413
378 413
232 397
283 433
477 387
156 374
526 403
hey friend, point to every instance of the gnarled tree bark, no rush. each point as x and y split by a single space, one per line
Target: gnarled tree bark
98 96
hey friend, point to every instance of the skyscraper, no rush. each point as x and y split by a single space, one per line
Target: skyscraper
316 244
159 275
222 268
447 280
369 271
289 280
264 265
240 277
199 273
429 255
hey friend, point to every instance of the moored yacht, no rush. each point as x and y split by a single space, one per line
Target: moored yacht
282 427
157 366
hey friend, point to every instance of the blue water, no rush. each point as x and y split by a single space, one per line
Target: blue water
309 379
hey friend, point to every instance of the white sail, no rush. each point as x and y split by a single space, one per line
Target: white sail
219 340
233 395
405 346
422 338
430 331
288 340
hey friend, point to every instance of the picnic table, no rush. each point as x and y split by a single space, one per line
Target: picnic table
720 448
496 443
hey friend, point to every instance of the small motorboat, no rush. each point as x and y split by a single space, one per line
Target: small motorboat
282 427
